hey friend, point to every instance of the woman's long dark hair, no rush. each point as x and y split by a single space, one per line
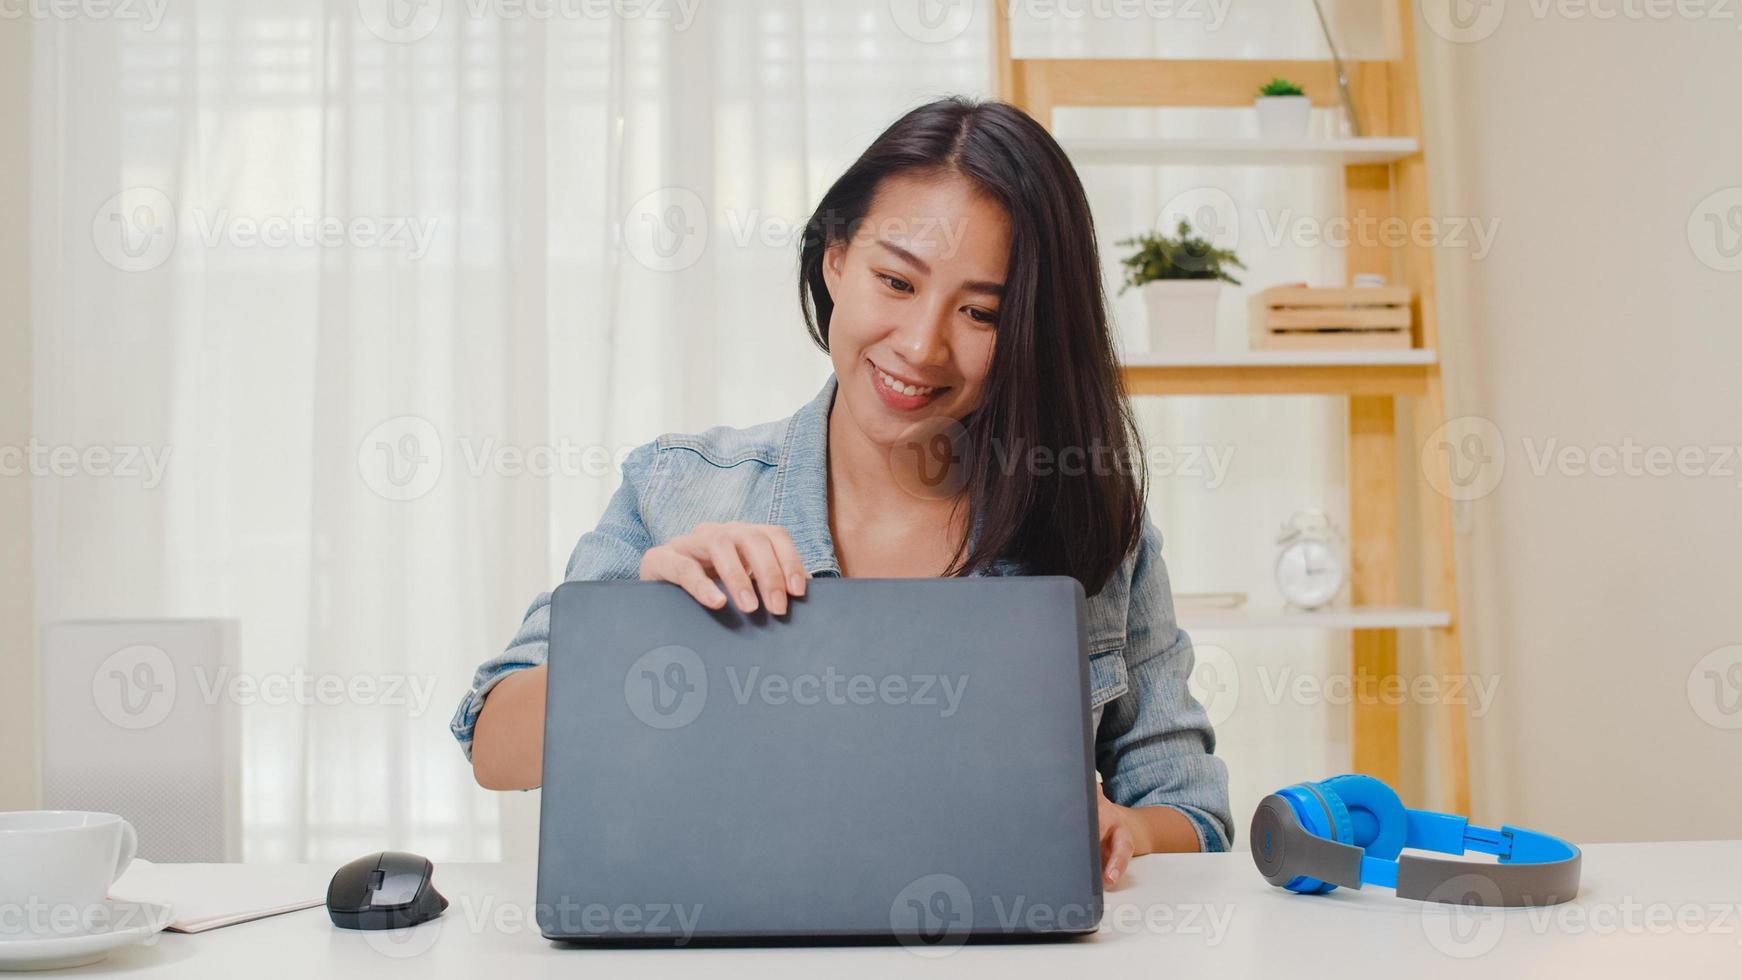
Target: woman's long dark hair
1054 382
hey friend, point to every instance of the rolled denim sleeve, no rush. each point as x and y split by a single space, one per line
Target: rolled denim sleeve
612 550
1155 746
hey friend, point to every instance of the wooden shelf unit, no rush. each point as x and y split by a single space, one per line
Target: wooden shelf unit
1388 103
1381 373
1177 151
1350 618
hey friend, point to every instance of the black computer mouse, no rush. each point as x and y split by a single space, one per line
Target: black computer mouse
386 890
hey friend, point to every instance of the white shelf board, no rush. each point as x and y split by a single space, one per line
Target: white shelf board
1261 618
1286 358
1164 150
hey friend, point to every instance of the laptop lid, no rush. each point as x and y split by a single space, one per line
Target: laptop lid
904 759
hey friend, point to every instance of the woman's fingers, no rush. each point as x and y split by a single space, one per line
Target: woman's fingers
729 569
790 563
757 549
669 565
1116 850
745 558
1117 844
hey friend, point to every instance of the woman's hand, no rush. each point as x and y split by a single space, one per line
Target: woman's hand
1128 832
744 557
1121 831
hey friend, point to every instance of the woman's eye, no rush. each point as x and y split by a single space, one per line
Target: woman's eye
982 316
899 285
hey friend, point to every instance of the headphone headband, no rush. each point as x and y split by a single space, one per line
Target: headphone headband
1534 868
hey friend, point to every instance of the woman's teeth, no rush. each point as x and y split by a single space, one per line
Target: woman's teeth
905 389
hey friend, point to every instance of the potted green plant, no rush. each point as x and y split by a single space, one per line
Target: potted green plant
1283 110
1181 276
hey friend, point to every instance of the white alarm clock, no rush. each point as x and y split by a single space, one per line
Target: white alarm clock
1309 572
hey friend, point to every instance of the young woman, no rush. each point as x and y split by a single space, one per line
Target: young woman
951 276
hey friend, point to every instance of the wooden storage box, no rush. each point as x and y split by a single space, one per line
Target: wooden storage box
1351 318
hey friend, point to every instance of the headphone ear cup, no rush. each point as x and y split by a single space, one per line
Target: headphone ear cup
1340 819
1377 820
1323 815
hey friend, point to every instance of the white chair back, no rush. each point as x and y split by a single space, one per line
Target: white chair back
135 722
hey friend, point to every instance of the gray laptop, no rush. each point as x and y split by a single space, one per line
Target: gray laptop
907 760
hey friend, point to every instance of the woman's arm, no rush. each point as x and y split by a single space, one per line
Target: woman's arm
508 739
507 749
1129 831
500 722
1164 830
508 736
1155 748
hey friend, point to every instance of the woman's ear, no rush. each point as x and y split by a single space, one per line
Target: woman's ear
834 258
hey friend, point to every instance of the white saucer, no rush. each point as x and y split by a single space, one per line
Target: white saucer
126 923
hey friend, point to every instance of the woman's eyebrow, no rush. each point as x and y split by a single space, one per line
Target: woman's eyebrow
916 261
972 285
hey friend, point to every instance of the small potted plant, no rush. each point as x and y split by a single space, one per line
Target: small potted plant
1181 277
1283 110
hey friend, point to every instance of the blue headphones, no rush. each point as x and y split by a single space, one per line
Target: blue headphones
1350 831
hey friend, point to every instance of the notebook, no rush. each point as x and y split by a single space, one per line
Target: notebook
209 896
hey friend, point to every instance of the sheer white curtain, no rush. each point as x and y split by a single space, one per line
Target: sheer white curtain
393 285
392 291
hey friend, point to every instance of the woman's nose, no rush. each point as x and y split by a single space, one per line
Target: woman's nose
924 341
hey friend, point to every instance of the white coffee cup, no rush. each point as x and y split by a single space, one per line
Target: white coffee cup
56 867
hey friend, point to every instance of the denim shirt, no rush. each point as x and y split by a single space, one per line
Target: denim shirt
1153 744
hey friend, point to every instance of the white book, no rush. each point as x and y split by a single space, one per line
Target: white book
207 896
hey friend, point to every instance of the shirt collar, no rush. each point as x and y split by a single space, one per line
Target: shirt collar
801 487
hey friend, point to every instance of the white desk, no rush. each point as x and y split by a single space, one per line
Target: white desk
1646 910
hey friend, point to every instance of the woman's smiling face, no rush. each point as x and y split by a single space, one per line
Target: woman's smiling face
916 291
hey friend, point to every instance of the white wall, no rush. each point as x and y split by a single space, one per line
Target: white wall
1595 322
17 630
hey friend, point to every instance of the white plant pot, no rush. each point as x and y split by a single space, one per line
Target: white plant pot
1284 117
1182 315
